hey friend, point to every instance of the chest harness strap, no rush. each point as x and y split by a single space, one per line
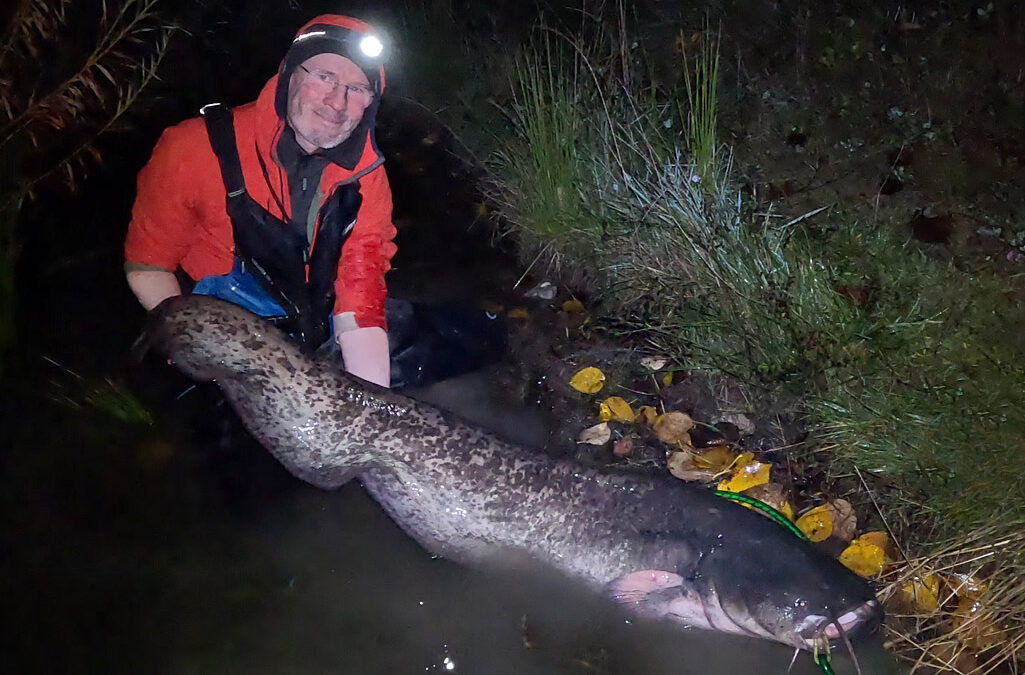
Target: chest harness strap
297 275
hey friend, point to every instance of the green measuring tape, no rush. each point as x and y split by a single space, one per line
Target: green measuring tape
821 658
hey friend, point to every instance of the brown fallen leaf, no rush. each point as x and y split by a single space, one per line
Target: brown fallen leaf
681 464
599 434
672 427
654 363
845 521
773 494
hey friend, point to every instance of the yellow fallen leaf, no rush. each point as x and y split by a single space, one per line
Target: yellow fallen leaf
862 558
616 409
923 591
667 379
672 427
518 313
974 625
880 539
746 476
745 458
588 380
717 459
599 434
646 415
817 523
573 306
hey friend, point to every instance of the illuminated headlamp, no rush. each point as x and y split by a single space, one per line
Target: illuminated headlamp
371 46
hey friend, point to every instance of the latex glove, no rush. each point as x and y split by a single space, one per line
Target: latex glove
365 353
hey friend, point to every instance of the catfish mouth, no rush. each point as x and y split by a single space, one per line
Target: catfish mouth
817 630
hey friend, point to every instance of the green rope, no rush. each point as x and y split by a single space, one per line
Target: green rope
821 658
764 508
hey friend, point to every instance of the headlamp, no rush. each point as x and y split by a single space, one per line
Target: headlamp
371 46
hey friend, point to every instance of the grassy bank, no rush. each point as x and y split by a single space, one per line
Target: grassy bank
908 362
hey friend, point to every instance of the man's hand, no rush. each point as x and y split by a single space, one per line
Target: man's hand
365 351
152 287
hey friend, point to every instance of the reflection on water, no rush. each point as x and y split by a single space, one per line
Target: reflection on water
345 591
190 551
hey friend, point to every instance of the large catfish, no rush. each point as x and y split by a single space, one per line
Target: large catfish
659 546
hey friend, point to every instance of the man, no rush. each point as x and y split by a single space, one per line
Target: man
282 205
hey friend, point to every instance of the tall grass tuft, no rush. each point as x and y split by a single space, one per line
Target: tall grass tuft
66 78
702 99
536 175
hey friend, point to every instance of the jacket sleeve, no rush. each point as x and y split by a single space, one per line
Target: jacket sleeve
161 228
367 253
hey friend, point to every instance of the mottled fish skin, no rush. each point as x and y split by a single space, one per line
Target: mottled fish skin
468 496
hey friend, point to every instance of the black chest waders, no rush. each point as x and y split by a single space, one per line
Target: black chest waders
297 276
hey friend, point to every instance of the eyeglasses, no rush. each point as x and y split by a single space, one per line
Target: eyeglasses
326 84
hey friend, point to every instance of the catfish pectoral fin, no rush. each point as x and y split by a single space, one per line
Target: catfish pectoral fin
646 591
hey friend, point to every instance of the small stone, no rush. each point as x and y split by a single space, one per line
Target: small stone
546 290
743 423
729 431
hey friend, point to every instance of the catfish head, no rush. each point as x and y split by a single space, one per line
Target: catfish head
211 339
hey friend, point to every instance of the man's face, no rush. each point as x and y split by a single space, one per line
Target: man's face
326 100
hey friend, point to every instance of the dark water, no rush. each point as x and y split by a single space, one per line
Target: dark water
182 547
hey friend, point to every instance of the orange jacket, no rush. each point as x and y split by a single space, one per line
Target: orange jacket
179 216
